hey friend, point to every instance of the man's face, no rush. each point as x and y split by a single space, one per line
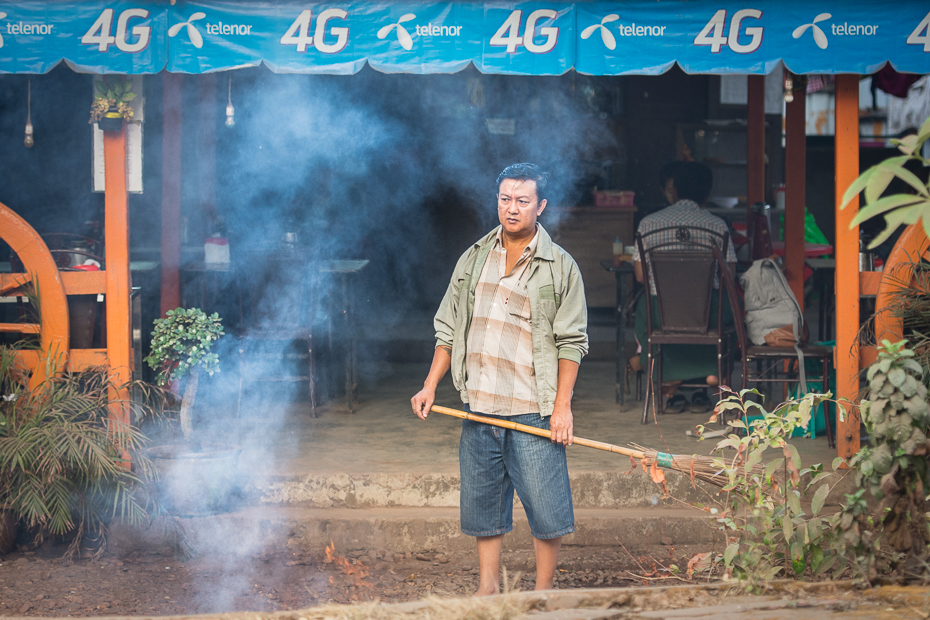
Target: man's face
518 207
671 194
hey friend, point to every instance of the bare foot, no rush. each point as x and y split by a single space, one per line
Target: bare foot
487 590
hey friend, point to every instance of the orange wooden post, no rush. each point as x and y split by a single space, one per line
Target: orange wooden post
795 191
755 139
847 260
118 278
171 193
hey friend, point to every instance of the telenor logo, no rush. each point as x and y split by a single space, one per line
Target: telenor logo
606 36
192 31
820 38
403 37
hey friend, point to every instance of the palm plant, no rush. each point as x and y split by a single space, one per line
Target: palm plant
63 460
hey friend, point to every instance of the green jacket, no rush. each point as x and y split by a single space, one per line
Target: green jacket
559 315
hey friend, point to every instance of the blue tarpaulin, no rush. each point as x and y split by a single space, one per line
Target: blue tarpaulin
644 37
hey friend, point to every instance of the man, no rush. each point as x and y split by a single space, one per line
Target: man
686 185
512 327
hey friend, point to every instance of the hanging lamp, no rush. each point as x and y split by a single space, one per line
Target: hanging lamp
230 110
29 141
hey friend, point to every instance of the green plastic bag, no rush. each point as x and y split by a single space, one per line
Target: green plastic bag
812 232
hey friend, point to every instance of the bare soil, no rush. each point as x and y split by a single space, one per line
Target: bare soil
40 583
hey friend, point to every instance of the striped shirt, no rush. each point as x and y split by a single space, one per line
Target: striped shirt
684 213
501 379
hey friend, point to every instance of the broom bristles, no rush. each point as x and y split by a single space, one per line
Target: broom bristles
697 467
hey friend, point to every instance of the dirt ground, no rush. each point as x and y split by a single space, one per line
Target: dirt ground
39 583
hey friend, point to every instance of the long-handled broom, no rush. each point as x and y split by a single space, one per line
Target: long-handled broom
697 467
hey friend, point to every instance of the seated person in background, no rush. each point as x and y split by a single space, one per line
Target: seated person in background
686 185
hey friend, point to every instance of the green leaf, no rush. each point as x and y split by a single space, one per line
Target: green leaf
897 376
901 426
826 565
129 96
838 462
816 557
910 178
882 458
878 183
774 465
795 457
858 185
798 562
730 553
755 457
794 502
804 409
819 498
907 144
882 205
820 476
894 219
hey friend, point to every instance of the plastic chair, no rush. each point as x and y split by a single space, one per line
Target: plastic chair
774 364
680 261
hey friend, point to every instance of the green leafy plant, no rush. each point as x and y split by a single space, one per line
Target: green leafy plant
64 461
898 209
769 530
113 97
895 468
181 345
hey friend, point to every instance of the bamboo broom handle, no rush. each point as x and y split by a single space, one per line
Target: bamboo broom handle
588 443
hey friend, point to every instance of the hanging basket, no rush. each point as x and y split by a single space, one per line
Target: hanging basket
111 121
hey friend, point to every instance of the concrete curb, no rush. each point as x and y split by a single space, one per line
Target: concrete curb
402 530
613 490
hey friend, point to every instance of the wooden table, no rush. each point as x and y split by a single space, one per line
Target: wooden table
621 271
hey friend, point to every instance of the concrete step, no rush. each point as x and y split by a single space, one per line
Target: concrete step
400 530
611 490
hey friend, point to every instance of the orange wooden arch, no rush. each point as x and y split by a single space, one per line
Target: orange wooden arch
910 247
41 269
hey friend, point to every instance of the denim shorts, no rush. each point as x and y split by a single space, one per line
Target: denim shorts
494 461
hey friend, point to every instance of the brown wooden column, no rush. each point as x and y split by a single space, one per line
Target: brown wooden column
847 260
795 188
755 134
172 85
118 277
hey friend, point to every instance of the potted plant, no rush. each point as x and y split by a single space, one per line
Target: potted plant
111 104
63 460
196 478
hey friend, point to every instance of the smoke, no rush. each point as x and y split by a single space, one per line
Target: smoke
397 170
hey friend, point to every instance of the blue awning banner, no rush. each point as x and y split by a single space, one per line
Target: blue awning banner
623 37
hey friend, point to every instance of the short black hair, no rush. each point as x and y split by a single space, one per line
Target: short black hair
693 180
526 172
